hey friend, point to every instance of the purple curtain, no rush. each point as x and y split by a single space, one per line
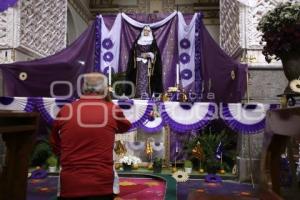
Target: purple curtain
66 65
215 67
5 4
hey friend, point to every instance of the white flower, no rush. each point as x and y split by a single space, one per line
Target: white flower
130 160
180 176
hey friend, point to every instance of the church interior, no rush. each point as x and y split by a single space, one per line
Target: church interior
200 99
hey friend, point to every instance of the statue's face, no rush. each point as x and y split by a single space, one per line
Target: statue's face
146 32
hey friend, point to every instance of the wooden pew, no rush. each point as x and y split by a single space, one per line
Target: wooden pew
281 125
17 130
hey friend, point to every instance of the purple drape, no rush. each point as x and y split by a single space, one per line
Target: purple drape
217 71
5 4
66 65
216 68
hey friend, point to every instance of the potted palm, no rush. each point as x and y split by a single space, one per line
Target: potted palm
188 166
52 163
280 29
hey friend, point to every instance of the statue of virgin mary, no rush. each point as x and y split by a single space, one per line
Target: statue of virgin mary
144 67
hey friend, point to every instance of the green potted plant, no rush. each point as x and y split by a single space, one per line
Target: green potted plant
209 142
280 29
157 165
188 166
52 163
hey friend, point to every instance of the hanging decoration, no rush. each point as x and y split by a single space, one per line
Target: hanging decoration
110 45
136 111
199 86
184 117
186 49
97 59
245 118
16 103
157 146
157 24
49 107
181 117
153 125
135 146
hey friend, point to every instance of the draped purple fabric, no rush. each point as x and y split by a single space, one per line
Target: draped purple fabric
66 65
216 67
5 4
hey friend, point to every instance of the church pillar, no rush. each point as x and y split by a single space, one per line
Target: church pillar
241 40
29 30
32 29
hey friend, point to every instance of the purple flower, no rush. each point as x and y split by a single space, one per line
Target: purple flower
186 74
107 43
108 57
212 178
184 58
185 43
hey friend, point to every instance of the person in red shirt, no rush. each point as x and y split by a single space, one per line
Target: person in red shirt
83 137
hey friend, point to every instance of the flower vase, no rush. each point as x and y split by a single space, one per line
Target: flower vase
127 168
52 169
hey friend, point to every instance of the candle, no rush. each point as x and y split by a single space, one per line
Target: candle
177 74
176 148
109 75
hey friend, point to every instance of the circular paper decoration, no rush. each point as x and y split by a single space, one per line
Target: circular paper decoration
107 43
106 69
153 125
136 111
186 74
295 85
157 146
108 57
246 119
184 58
135 146
23 76
181 176
6 100
16 103
183 117
49 108
185 43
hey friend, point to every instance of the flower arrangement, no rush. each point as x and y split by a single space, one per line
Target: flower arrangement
281 31
130 160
